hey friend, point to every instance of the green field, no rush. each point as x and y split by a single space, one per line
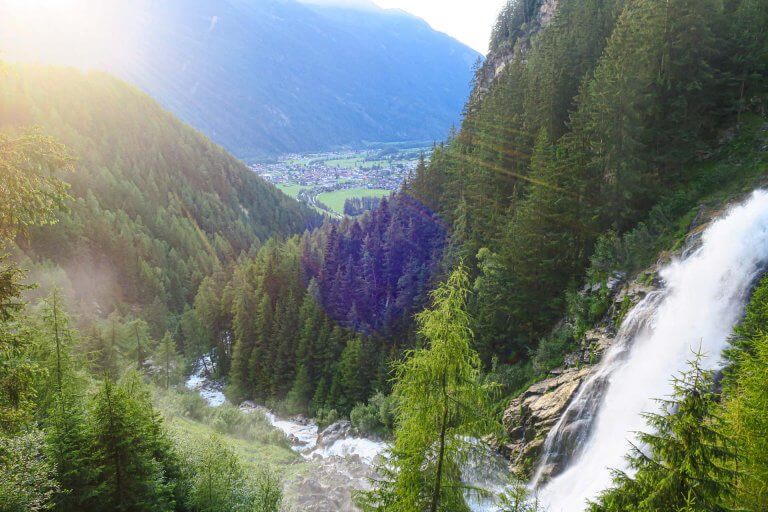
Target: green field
292 189
355 163
335 200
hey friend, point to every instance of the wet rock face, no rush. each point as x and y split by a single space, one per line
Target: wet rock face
530 416
334 432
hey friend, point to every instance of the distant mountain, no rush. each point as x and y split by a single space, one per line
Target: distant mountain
265 76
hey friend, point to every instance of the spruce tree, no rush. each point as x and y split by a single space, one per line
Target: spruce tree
128 441
677 465
167 359
745 420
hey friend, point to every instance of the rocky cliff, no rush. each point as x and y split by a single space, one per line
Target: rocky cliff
531 415
516 27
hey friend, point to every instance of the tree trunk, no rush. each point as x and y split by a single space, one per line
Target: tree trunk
440 454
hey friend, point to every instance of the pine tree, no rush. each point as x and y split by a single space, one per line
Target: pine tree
167 359
61 405
218 478
69 447
298 397
745 421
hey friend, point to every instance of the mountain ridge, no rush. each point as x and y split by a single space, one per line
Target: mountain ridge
265 77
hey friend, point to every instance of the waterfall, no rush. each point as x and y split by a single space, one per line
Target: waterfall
702 297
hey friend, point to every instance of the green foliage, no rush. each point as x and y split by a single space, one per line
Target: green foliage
519 498
136 459
220 484
440 406
746 422
325 417
218 479
155 206
18 371
744 404
377 417
678 465
32 194
27 481
68 445
593 146
168 362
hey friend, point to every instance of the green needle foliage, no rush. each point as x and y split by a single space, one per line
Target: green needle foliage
678 466
27 481
441 408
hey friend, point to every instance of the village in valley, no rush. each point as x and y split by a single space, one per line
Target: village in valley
327 180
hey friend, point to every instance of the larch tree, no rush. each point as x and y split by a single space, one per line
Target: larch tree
441 411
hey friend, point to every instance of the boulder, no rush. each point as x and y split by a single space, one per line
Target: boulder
334 432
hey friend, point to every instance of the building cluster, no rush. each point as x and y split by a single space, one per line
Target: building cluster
319 171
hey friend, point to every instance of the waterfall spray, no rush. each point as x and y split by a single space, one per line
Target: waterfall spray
702 298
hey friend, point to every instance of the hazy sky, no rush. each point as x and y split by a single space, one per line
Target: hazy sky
469 21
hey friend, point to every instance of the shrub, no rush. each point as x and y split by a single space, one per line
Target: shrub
326 416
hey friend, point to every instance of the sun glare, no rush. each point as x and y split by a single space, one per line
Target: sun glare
70 32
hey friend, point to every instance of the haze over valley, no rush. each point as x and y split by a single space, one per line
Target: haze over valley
283 256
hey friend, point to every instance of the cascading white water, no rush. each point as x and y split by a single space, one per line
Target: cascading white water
703 297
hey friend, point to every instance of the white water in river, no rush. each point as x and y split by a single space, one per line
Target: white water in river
200 381
302 434
487 471
703 297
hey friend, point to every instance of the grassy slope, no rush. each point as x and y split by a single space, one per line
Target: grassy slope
257 444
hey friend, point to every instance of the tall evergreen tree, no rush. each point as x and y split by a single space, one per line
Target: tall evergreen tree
440 405
678 465
126 437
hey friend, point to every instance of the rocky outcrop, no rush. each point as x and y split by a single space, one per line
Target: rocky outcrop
328 485
335 432
501 55
531 415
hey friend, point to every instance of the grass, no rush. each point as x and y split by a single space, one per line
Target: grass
257 444
254 455
358 163
335 200
292 189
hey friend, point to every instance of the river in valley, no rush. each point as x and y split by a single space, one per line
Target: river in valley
341 461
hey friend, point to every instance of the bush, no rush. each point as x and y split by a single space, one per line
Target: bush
326 416
26 475
364 418
509 379
228 419
552 349
377 417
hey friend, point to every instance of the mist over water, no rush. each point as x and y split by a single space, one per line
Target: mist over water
703 297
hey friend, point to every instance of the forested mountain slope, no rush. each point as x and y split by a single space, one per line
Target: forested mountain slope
266 76
598 117
607 125
156 206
